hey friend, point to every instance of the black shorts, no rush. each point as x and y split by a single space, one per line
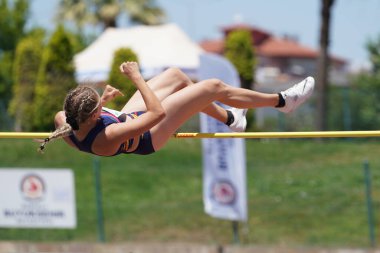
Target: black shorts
145 146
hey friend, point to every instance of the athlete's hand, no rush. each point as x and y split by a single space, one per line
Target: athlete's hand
110 93
130 69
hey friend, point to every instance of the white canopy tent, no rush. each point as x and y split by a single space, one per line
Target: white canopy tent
157 48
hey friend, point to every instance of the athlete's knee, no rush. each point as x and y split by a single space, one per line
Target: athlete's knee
174 72
216 84
178 75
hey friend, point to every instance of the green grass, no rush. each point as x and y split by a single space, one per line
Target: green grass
301 192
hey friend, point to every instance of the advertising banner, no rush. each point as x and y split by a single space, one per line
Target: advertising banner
37 198
224 163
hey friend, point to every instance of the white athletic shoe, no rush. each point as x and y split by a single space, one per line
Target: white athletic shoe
240 122
297 94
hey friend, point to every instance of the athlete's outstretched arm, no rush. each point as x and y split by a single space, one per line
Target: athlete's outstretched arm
109 93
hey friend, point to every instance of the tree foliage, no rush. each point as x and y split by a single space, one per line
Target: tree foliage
12 23
6 63
25 69
365 95
240 51
145 12
373 48
55 79
120 81
364 102
106 12
362 98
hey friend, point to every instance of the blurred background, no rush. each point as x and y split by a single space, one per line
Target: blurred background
300 192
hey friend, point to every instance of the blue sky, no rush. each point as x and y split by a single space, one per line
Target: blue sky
354 22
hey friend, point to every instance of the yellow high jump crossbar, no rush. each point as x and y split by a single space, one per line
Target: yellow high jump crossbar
246 135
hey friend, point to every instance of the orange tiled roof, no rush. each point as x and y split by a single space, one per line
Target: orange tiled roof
272 47
213 46
275 47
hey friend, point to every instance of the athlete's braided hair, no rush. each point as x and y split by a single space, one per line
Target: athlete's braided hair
79 105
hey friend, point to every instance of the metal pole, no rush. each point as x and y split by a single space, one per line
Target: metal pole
346 109
98 197
281 122
235 231
371 226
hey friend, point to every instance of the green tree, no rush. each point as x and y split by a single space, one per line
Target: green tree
6 63
120 81
12 23
106 12
240 51
364 105
55 78
365 93
79 41
373 48
145 12
25 70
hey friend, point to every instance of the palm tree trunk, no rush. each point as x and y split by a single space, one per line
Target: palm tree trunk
323 65
109 23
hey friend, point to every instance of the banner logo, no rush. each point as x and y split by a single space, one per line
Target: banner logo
32 187
224 192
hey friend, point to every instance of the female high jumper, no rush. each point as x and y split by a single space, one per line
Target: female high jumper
157 109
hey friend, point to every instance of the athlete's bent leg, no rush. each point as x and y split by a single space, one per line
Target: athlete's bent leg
167 83
182 105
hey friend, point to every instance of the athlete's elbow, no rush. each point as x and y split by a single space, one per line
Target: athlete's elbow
59 119
157 114
161 114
